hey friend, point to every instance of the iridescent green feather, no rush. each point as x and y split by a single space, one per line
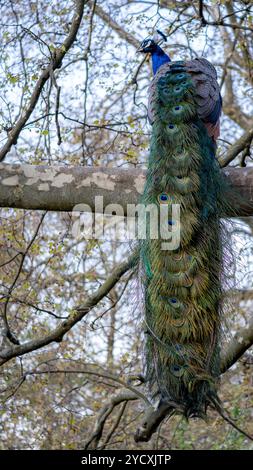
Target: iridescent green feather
182 287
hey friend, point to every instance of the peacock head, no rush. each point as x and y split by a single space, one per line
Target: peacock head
149 45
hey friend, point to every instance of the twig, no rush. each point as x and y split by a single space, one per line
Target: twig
220 22
236 148
8 332
55 63
86 56
231 422
57 105
201 13
58 333
106 410
116 27
114 426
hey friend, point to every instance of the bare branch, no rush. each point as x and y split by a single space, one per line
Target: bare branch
54 64
116 27
242 341
236 148
122 396
7 331
78 314
220 22
51 187
232 108
115 425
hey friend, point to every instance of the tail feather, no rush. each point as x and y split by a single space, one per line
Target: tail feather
182 286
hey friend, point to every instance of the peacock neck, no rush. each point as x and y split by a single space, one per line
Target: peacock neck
158 59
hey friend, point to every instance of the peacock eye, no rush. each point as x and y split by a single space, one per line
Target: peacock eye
172 128
181 75
164 90
177 305
177 108
177 88
163 198
179 177
171 222
177 370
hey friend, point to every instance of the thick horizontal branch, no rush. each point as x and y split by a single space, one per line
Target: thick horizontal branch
59 188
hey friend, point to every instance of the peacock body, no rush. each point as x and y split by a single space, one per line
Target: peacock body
182 287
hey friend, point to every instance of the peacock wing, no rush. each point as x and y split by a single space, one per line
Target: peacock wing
208 98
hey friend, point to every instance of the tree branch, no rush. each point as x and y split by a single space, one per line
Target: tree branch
236 148
54 64
78 314
242 341
220 22
51 187
8 333
116 27
154 416
122 396
232 108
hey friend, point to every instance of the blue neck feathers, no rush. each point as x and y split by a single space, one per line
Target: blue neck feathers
158 59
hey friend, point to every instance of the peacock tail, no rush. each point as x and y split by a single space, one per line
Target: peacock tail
182 286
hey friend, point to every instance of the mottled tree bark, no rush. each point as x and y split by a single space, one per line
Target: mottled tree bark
59 188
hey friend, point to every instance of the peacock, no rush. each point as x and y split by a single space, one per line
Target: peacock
182 286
